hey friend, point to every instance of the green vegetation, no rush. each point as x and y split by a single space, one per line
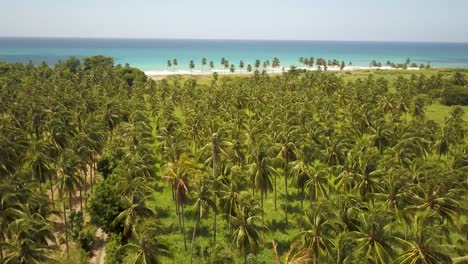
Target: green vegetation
298 167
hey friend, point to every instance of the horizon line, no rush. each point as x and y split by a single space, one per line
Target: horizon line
233 39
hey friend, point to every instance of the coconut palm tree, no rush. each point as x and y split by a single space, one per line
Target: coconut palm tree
260 174
424 245
241 65
372 239
318 235
211 65
174 63
146 246
191 66
28 240
169 64
134 211
204 201
203 63
180 174
285 151
248 231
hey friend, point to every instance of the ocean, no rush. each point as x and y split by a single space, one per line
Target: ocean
152 54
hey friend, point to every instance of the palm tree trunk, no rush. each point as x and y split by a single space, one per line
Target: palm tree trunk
286 188
302 197
85 173
315 253
81 201
183 227
91 177
275 191
65 224
70 202
214 227
193 237
93 169
51 192
261 201
1 249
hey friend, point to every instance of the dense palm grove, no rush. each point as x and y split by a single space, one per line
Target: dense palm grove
301 167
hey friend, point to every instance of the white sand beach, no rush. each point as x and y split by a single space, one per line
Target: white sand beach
270 70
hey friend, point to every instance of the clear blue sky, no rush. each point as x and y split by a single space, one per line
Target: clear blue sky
397 20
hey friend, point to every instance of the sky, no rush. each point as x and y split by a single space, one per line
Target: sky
354 20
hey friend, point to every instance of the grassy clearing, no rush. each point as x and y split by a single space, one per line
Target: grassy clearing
439 112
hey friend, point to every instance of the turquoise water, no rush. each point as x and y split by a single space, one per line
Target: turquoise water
152 54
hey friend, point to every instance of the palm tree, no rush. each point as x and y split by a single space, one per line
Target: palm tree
286 153
217 149
191 66
134 211
318 235
169 64
372 240
29 241
40 163
257 64
248 232
179 174
174 63
203 63
260 174
301 60
218 254
211 65
293 256
275 63
424 245
317 181
147 246
241 65
230 201
204 201
69 180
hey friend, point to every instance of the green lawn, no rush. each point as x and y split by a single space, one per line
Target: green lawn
439 112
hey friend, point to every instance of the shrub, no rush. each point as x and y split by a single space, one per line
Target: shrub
86 238
456 95
112 255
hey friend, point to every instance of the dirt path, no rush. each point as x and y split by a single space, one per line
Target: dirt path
99 252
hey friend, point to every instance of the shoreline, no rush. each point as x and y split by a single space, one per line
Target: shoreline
270 70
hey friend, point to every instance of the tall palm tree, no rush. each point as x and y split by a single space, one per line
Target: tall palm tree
372 239
203 203
28 240
179 174
191 66
217 149
174 63
203 63
318 235
41 164
134 210
260 175
248 231
169 64
146 246
285 151
230 201
424 245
